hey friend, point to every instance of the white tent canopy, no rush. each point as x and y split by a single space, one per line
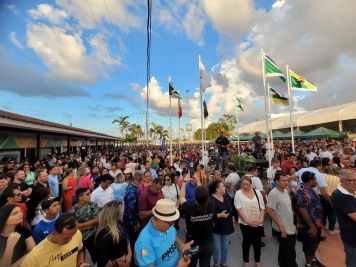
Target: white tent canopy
319 116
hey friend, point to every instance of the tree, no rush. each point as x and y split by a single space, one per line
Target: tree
130 138
231 122
122 123
157 131
136 130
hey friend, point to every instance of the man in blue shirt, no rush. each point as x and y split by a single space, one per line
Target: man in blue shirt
45 227
53 179
158 242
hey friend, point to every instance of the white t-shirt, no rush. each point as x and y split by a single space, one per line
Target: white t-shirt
320 180
311 156
271 172
257 184
114 174
327 154
249 207
232 178
170 192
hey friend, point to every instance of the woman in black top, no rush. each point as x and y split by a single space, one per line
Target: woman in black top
224 222
199 221
15 241
112 245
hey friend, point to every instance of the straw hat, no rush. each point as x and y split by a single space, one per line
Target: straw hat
165 210
128 170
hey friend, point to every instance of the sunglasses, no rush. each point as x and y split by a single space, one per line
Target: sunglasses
167 180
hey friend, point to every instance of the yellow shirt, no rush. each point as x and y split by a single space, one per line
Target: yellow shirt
48 254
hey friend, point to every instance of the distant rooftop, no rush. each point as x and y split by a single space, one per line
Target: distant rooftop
13 120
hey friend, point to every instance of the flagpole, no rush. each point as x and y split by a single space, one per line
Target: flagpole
264 89
201 111
170 129
270 149
270 113
290 107
179 138
237 130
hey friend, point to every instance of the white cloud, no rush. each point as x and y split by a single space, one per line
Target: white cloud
310 41
178 17
101 54
63 53
278 4
14 40
48 13
230 16
194 22
132 17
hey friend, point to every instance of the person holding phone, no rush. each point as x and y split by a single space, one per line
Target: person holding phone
199 221
158 243
224 222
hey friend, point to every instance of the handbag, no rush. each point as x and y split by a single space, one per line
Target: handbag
261 229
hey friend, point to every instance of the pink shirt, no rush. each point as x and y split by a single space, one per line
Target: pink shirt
84 182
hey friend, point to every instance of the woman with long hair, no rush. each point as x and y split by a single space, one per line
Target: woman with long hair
68 188
171 191
199 221
146 182
15 241
83 180
250 207
34 210
224 222
112 244
119 187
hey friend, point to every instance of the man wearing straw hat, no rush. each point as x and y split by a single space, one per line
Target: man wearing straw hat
158 243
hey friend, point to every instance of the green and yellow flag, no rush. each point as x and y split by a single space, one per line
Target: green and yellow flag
298 82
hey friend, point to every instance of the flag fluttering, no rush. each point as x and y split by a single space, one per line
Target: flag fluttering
205 80
278 97
206 113
298 82
180 112
272 70
239 104
173 93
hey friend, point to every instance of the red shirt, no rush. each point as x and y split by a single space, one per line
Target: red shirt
147 201
287 165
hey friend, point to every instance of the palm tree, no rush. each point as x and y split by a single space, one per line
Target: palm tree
122 123
136 130
156 131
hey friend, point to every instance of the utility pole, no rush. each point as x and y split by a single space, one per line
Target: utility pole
146 133
188 133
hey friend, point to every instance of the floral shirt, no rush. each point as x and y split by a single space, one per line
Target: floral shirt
131 205
308 199
84 214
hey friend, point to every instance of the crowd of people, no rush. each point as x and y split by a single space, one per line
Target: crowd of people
123 205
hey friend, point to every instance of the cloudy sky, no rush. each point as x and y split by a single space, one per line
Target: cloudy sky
84 61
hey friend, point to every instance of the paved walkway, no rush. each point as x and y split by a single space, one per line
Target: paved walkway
330 251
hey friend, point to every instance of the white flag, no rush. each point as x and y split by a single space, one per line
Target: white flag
205 80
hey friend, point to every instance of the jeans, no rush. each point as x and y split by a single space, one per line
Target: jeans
350 255
224 156
220 242
250 236
286 252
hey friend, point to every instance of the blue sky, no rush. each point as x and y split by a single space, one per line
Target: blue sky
84 61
